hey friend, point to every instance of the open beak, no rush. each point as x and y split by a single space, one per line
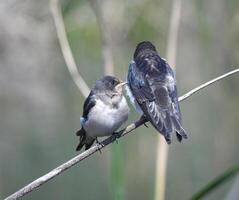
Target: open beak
118 87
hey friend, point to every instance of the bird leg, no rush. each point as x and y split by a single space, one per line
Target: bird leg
98 142
116 136
143 118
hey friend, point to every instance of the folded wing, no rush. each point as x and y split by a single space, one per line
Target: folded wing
156 93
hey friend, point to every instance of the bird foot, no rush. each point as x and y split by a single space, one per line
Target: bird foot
145 125
98 142
143 118
116 136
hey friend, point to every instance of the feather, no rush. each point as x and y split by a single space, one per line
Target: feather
84 140
89 104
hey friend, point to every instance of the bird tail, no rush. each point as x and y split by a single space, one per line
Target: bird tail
84 140
165 121
180 132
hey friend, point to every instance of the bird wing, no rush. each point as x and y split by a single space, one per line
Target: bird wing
88 105
84 140
153 86
138 84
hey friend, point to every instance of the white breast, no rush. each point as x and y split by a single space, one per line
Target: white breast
104 120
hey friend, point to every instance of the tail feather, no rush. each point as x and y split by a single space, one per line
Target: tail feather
160 119
165 121
181 133
179 137
80 132
84 140
89 144
167 126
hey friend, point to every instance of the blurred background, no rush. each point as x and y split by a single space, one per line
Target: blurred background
40 105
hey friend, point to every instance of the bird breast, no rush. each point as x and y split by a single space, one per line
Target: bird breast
104 119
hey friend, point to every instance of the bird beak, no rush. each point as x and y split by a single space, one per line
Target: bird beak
118 87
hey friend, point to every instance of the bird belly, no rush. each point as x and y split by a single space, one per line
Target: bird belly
103 120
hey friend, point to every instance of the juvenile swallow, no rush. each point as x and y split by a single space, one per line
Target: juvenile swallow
153 92
105 110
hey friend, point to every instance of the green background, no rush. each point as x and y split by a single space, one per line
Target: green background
40 105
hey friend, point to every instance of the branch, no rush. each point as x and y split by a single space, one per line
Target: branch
105 36
191 92
43 179
171 53
65 48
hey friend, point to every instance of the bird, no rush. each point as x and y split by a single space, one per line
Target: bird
153 92
104 111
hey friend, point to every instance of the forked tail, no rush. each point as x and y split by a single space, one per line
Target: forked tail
84 140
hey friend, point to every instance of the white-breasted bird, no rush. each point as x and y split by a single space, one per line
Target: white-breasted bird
105 110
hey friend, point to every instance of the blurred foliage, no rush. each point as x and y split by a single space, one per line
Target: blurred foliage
117 179
40 105
220 180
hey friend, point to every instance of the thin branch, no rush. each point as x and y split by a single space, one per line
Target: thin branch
38 182
191 92
65 48
171 53
105 36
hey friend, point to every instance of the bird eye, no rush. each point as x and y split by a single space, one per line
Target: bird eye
114 82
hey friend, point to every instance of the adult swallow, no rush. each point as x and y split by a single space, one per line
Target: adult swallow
105 110
153 91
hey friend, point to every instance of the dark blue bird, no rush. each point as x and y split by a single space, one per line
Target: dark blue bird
152 88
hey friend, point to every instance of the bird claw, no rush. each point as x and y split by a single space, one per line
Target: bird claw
116 136
143 117
98 142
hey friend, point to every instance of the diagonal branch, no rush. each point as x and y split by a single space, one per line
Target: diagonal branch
104 29
65 48
191 92
43 179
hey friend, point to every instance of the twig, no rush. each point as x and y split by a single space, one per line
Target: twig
207 84
171 53
105 37
162 147
65 48
38 182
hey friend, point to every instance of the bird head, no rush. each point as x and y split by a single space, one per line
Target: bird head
142 46
110 85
